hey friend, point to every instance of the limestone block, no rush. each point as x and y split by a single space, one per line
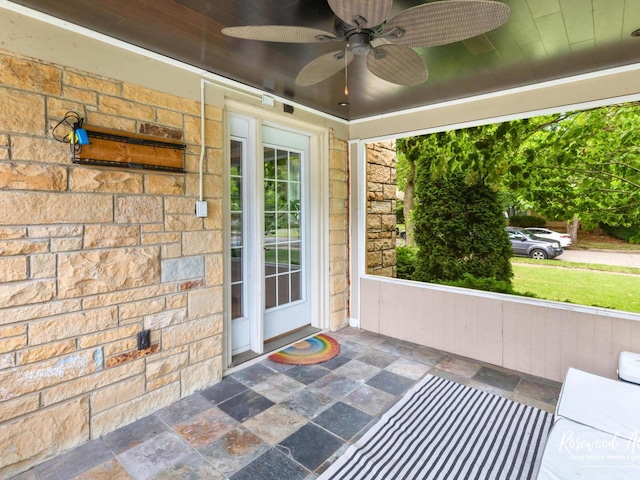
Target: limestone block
44 352
106 236
176 301
338 160
338 268
108 336
125 108
338 190
337 205
41 150
84 179
337 221
214 161
160 131
13 269
337 237
30 75
93 382
168 117
66 244
337 175
205 302
20 380
19 406
117 394
197 243
338 320
42 266
72 325
191 331
201 375
160 238
212 130
165 366
38 208
160 382
164 319
378 173
85 97
182 205
183 223
87 82
381 207
53 231
32 439
22 247
214 265
32 312
389 191
173 250
132 295
338 253
12 233
27 112
140 308
111 121
388 258
24 293
388 222
154 97
138 209
57 108
168 184
97 271
374 258
183 268
12 344
20 176
119 346
337 284
12 331
7 360
337 303
191 284
132 410
204 349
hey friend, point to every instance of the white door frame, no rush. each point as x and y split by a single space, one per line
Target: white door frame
318 219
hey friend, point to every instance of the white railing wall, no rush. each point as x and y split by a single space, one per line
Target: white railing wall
537 337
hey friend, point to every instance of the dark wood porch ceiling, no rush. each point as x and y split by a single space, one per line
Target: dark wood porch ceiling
543 40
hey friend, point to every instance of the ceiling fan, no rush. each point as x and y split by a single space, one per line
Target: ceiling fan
363 24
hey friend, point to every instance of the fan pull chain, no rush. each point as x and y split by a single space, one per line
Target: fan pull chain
346 64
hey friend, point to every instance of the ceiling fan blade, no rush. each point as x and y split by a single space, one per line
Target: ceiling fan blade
323 67
396 64
439 23
362 13
279 33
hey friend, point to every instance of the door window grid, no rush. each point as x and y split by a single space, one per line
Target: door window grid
237 228
282 242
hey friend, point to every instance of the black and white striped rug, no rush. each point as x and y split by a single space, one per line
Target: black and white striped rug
444 430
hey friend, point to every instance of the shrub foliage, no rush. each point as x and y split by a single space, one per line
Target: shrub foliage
459 229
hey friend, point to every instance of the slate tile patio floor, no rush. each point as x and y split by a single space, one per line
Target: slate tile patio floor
279 422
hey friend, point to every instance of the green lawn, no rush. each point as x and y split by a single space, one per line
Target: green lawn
579 286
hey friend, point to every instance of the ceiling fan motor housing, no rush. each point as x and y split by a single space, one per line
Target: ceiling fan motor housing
360 43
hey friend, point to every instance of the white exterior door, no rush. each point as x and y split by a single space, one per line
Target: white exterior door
269 233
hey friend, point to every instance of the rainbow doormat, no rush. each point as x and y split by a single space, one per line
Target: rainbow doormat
313 350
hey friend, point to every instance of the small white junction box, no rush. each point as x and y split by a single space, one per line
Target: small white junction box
201 209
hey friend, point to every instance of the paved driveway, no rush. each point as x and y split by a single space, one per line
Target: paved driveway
603 257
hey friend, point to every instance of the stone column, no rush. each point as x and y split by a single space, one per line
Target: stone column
381 208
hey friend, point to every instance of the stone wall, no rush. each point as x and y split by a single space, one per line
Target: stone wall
338 233
89 256
381 209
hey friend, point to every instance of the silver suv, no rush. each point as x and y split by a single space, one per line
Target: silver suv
526 244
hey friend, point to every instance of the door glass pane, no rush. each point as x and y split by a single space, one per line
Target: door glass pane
236 202
270 292
283 221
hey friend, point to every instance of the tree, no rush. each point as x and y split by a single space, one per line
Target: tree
459 230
